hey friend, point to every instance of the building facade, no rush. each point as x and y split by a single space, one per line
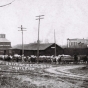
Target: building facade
77 43
4 44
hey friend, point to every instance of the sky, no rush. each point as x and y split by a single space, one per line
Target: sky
69 19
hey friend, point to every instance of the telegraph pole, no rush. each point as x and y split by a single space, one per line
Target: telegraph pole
38 18
55 42
22 40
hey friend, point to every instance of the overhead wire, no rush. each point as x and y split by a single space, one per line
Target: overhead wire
7 4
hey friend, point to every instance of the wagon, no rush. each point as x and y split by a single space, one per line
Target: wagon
67 59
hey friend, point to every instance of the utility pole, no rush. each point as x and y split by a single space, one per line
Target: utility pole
55 42
22 40
38 18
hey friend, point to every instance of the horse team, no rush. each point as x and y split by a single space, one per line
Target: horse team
60 59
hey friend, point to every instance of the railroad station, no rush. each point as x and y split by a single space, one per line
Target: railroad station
31 49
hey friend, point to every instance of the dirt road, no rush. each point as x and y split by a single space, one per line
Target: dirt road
56 77
48 76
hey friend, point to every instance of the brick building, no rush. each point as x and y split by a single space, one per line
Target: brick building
77 43
76 46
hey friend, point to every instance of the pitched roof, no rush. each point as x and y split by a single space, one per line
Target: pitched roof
33 46
4 40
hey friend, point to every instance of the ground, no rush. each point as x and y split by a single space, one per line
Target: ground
20 75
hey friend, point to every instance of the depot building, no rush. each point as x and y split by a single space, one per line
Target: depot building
31 49
5 44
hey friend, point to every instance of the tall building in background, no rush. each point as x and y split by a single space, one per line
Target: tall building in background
4 44
77 43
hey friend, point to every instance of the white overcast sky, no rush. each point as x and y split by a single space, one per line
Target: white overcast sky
69 18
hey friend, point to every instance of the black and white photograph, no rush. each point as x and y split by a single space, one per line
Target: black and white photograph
43 43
